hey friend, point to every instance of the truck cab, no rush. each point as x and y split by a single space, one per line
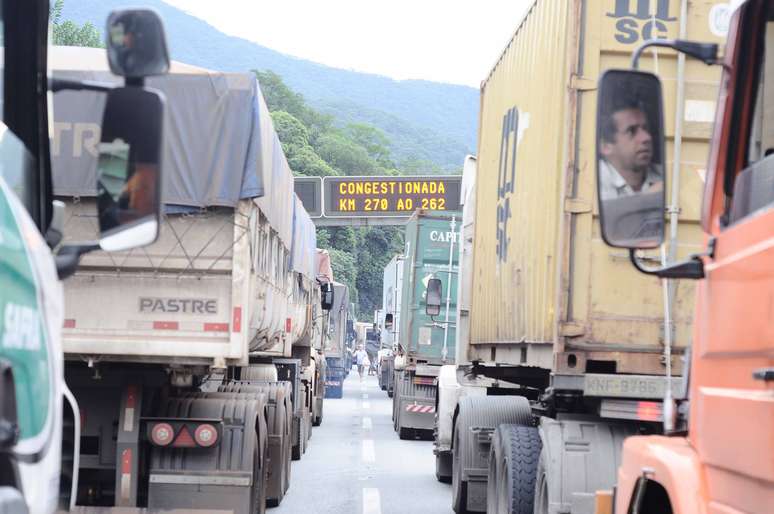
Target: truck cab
718 455
38 411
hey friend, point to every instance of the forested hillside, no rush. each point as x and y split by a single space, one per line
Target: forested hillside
431 126
314 145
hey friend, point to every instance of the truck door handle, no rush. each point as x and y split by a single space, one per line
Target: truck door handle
765 374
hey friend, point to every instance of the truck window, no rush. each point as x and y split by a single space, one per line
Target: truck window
754 187
17 166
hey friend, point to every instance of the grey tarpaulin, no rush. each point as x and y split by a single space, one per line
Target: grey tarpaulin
303 256
220 145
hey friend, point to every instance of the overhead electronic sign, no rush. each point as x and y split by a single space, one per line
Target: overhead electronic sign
309 191
389 196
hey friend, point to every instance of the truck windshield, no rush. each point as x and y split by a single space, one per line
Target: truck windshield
753 192
17 167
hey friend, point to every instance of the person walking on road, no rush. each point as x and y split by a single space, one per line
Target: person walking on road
361 357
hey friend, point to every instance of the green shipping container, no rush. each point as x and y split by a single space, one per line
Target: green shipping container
432 239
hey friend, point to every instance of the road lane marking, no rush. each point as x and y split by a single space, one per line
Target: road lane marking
368 424
366 405
372 503
368 452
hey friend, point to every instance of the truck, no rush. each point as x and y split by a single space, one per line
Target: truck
392 287
715 454
447 386
338 353
192 362
35 396
567 350
323 329
426 339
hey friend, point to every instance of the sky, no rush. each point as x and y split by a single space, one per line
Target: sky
454 41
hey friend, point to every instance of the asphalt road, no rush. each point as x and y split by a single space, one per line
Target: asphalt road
357 464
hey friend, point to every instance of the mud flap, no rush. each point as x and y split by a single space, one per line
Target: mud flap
278 396
224 476
579 457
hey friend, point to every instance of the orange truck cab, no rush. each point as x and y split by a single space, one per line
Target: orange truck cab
718 452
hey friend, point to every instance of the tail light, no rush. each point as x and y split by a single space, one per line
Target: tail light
206 435
183 433
162 434
184 439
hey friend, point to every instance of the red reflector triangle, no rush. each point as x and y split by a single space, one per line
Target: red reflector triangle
184 439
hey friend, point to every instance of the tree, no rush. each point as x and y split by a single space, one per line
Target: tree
345 270
376 142
289 129
68 33
345 155
379 245
279 97
294 136
417 166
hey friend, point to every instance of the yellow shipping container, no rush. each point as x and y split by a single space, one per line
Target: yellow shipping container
543 279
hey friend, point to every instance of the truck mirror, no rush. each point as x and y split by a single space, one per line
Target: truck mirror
129 168
136 45
630 159
433 297
388 320
327 297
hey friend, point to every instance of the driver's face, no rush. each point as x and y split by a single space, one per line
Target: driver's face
633 146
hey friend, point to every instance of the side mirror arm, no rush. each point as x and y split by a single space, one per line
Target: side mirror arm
705 52
69 256
692 268
56 85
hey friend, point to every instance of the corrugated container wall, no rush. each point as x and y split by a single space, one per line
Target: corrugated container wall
542 273
431 252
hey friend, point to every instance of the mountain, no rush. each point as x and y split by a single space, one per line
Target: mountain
424 120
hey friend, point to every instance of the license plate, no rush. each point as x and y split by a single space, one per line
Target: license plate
629 386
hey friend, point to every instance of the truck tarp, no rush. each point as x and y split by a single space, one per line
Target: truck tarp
324 269
336 346
219 142
303 257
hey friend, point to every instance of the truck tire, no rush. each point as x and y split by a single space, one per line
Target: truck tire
443 467
318 419
395 413
260 488
406 433
471 458
297 449
459 486
513 466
